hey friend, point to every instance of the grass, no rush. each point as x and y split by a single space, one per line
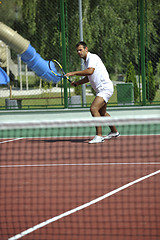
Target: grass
59 102
34 83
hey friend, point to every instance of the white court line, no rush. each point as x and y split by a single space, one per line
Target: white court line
85 136
11 140
78 164
51 220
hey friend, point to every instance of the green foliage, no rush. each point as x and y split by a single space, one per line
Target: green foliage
50 85
78 90
116 37
45 85
157 77
150 83
7 14
110 28
131 77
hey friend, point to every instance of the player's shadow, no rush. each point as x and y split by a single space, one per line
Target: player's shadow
73 140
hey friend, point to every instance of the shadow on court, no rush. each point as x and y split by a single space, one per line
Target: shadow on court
74 140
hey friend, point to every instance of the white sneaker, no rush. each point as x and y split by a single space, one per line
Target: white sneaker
97 139
111 135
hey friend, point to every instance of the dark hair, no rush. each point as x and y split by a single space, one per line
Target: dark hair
81 43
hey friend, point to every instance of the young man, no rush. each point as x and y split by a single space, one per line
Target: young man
95 73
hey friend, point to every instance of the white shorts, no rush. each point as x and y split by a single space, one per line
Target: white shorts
106 94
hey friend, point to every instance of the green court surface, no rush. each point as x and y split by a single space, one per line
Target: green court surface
147 129
44 116
48 115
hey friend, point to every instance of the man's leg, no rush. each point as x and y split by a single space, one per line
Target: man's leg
104 113
97 104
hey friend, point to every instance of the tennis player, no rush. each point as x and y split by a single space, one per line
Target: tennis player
96 73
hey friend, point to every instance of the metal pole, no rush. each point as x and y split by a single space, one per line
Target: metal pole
82 61
142 52
63 51
20 71
80 20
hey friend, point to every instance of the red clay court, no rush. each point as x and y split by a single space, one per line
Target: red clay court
64 188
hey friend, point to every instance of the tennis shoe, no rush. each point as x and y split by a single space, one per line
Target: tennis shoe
112 135
97 139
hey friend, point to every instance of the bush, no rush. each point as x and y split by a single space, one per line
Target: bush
131 77
150 83
157 77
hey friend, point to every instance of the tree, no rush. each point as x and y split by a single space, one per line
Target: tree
153 31
8 11
110 28
113 33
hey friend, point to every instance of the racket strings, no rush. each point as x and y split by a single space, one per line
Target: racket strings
57 69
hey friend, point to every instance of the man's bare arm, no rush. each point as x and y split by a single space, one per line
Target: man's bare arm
80 82
86 72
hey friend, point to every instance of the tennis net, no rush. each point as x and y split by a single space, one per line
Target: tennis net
54 185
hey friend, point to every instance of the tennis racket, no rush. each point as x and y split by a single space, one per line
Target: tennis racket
57 69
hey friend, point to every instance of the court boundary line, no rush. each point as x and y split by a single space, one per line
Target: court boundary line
83 206
78 164
10 140
56 137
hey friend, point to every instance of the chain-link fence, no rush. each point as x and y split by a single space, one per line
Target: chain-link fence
125 35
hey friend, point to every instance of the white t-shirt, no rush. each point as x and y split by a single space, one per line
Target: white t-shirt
99 80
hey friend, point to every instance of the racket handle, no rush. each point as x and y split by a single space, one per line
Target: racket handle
69 80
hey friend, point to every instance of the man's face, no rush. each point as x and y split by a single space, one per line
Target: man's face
82 52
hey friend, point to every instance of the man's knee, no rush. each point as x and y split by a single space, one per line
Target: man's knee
93 110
